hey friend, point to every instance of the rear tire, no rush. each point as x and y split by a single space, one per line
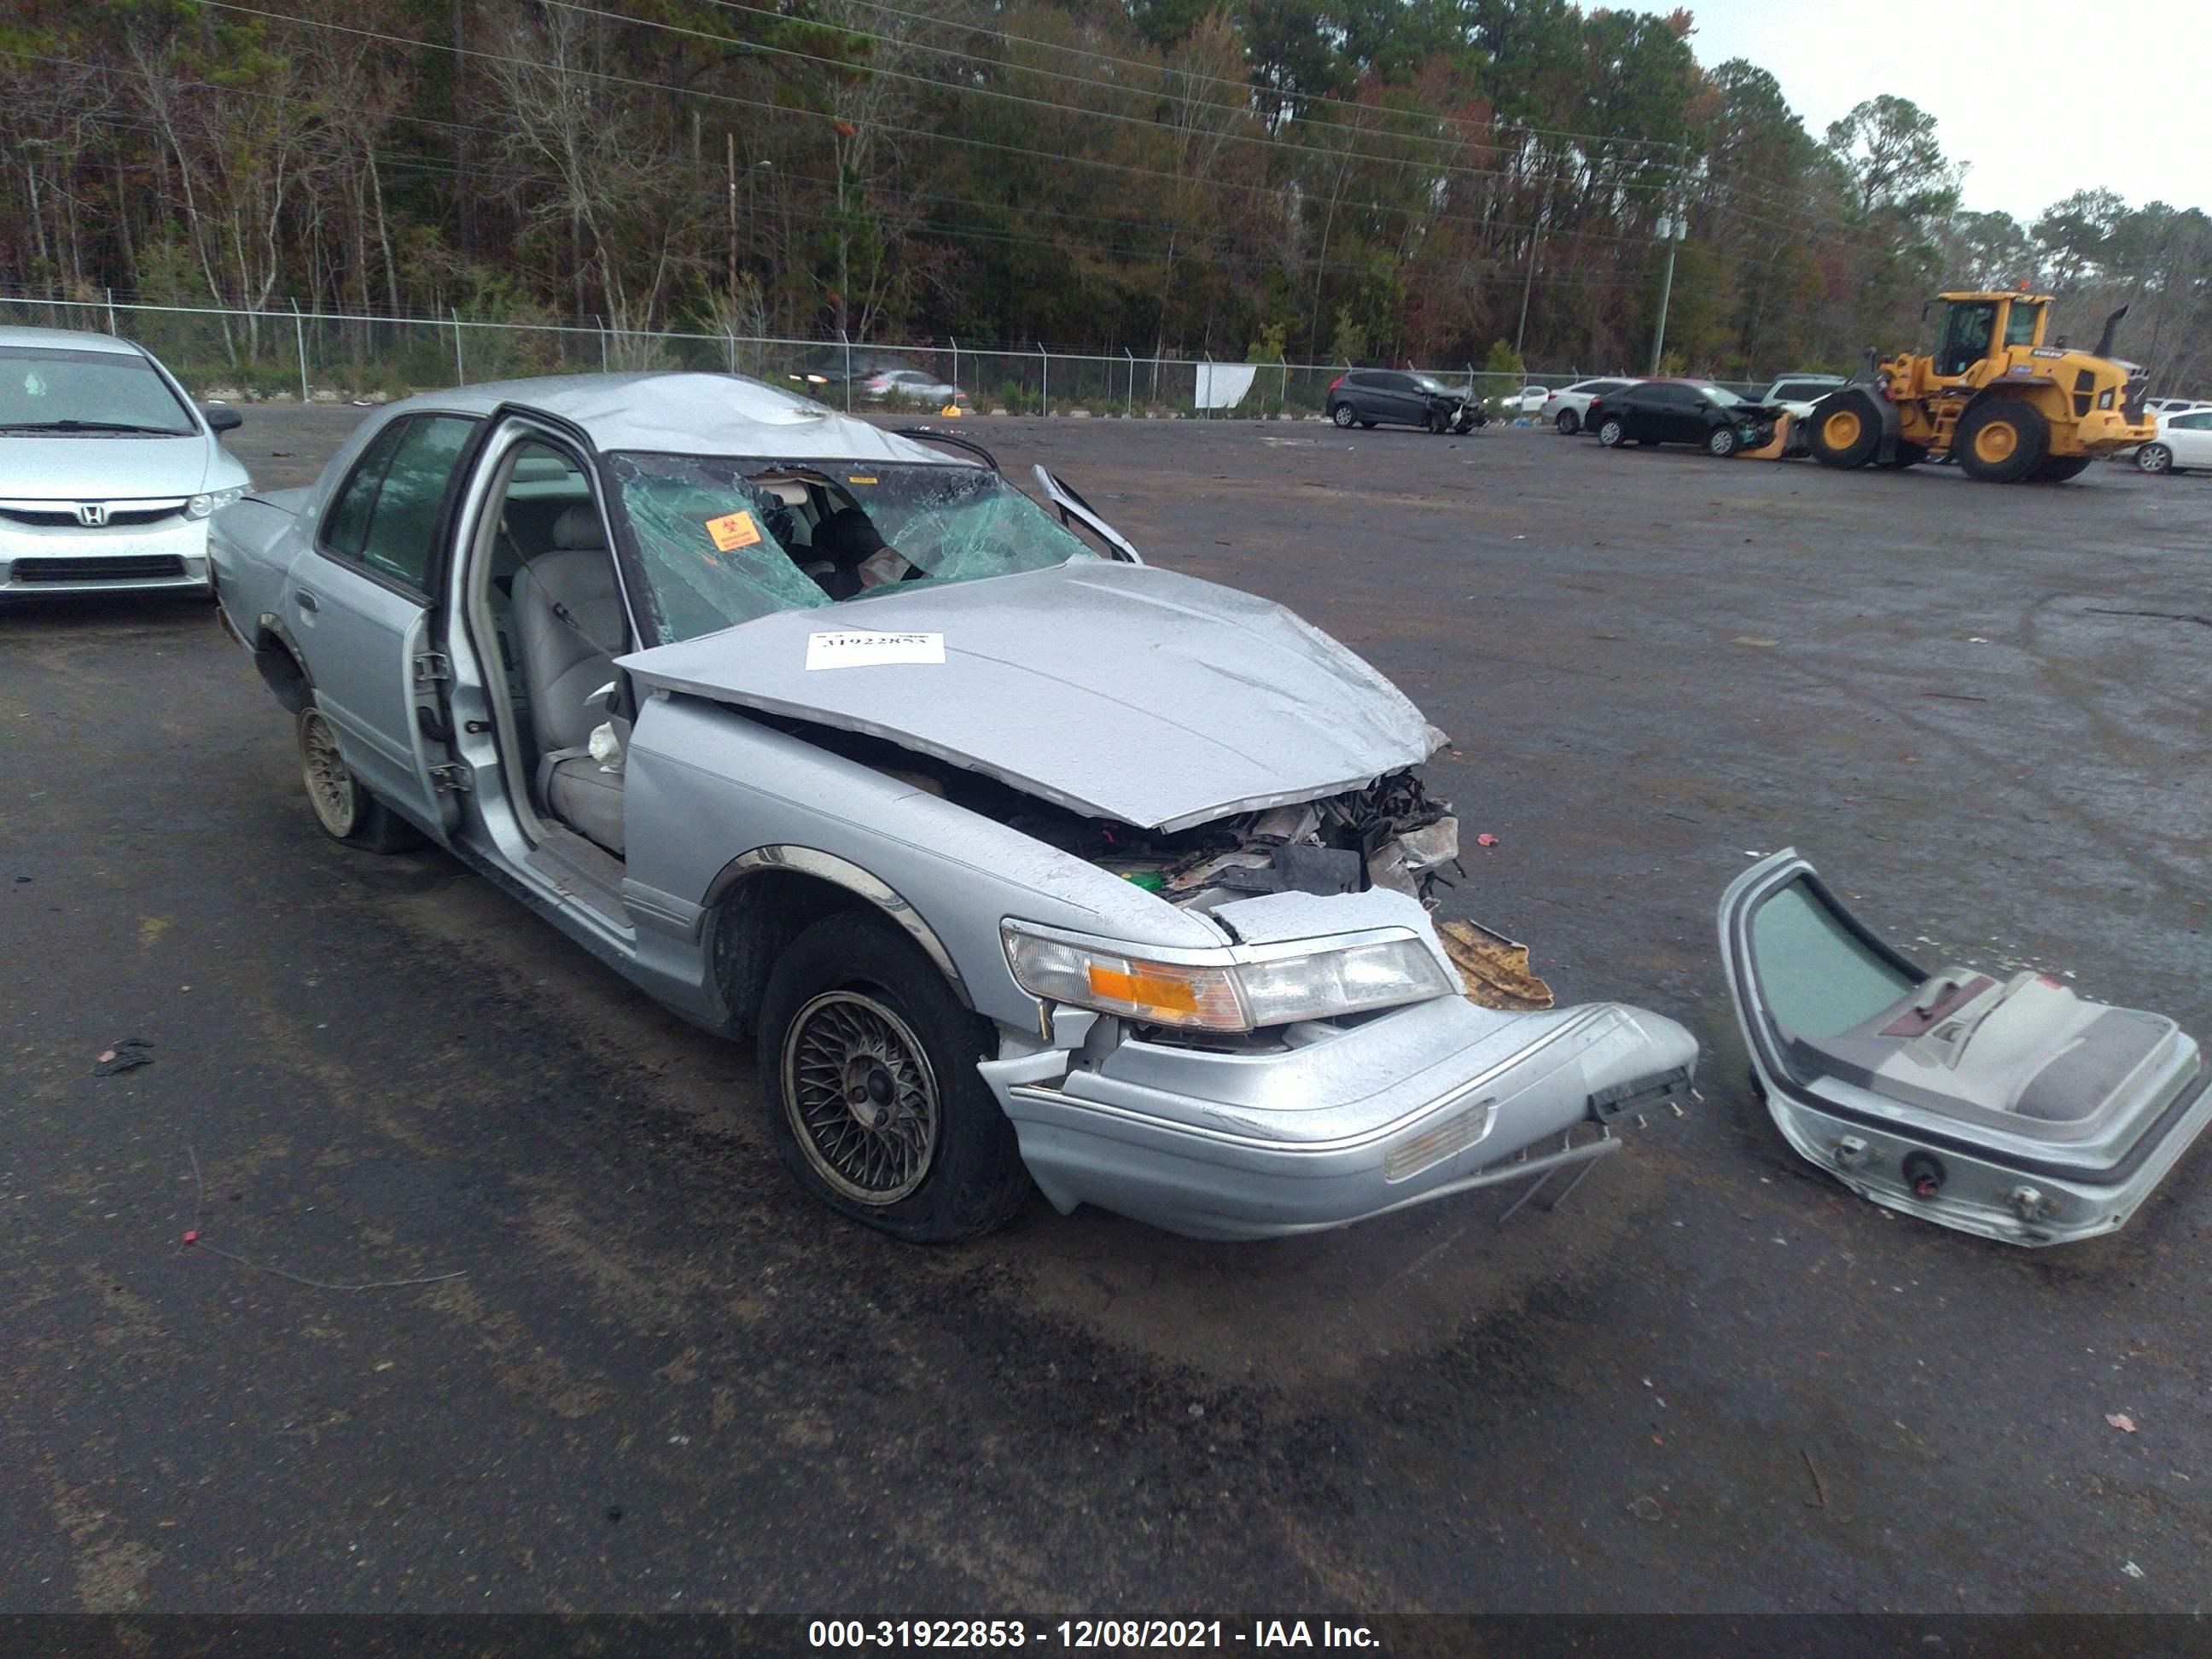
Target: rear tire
2154 458
2002 440
1844 430
2058 469
344 810
1722 441
867 1064
1611 432
1341 414
1569 423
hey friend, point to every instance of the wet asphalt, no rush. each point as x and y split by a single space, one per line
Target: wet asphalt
663 1380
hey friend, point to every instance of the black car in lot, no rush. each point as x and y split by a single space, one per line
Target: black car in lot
1392 396
1681 412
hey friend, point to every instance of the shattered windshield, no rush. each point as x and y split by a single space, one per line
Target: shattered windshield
721 540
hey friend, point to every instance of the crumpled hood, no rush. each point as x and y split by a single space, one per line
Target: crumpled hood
1117 691
113 468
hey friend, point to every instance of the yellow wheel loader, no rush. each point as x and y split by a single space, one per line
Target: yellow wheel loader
2008 407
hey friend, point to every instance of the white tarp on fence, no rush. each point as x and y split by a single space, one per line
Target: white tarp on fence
1223 385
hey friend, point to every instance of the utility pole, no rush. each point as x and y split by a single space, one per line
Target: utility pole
729 167
1535 235
1667 228
1672 225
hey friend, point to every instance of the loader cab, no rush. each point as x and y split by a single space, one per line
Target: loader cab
1975 327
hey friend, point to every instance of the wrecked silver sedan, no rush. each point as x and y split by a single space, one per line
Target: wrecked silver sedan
1024 862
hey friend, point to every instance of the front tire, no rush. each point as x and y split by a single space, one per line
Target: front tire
867 1063
2003 440
1611 432
1342 414
1569 423
344 810
1723 442
2154 458
2059 468
1844 430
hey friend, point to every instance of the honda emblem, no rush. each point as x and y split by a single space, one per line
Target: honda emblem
91 514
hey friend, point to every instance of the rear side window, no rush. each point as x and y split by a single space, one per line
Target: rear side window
345 527
387 512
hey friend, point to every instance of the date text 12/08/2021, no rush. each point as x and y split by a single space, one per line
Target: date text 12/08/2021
1086 1633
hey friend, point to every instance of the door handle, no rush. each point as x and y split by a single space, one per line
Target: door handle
308 601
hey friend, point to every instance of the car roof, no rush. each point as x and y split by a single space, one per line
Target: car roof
70 339
684 413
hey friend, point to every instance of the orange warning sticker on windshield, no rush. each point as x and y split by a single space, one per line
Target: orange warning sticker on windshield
734 530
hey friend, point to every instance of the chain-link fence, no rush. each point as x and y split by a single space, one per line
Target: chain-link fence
293 355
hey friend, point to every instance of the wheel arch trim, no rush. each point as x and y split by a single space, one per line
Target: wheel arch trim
838 873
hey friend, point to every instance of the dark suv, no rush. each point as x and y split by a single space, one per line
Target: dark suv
1395 397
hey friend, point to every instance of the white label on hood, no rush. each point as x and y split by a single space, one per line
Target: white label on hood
853 648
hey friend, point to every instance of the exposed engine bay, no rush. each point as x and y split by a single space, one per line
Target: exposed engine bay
1390 834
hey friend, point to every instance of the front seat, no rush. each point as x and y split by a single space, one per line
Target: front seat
568 622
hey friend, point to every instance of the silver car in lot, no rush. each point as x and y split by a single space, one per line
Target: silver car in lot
1022 860
109 474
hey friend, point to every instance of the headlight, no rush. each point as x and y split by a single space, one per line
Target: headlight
200 505
1225 996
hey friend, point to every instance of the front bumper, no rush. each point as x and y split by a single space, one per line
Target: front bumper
42 559
2107 431
1406 1108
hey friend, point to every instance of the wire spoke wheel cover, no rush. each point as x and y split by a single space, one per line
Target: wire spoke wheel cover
331 790
861 1097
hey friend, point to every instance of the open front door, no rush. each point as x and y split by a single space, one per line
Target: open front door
1075 511
2009 1107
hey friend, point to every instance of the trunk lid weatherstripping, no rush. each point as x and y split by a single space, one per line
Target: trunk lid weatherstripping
2009 1108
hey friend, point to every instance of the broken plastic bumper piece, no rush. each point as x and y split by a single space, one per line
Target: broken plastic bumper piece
2012 1108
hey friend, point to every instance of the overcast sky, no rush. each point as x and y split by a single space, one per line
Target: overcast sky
2015 88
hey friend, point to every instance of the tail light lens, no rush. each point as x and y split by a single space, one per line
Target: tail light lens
1335 383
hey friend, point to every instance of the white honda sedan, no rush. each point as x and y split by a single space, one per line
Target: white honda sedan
108 471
